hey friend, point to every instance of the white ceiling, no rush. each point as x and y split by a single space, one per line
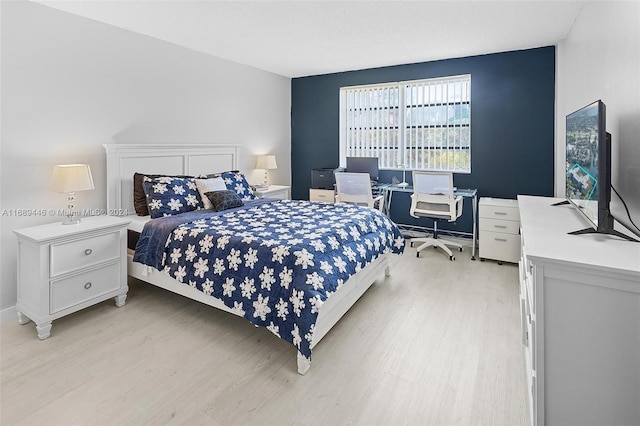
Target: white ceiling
301 38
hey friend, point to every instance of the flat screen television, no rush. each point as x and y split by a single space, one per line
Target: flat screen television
588 168
364 165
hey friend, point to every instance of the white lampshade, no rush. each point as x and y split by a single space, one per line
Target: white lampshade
71 178
266 162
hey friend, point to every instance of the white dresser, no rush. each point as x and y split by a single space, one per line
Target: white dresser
65 268
499 229
580 313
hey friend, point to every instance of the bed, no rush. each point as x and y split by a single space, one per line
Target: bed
297 285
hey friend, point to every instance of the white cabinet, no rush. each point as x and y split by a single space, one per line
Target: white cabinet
580 315
273 191
326 195
499 226
65 268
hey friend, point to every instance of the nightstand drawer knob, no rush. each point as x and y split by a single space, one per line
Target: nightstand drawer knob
88 252
87 286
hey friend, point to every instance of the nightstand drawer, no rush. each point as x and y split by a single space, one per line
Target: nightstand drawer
80 288
280 195
499 225
74 255
279 192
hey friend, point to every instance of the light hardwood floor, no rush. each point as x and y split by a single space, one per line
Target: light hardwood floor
437 343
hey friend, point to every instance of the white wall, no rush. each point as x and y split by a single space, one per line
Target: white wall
70 84
600 59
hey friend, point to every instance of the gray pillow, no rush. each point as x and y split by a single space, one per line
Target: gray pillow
224 200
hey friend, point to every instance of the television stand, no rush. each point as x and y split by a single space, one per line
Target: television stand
609 220
605 232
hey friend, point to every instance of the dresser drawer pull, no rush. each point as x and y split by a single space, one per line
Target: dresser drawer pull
503 240
88 252
87 286
500 226
500 213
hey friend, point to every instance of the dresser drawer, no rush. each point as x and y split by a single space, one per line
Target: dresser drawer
500 246
499 212
80 288
325 195
74 255
499 225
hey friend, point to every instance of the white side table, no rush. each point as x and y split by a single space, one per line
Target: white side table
65 268
273 191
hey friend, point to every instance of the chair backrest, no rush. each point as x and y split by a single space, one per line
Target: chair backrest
354 188
433 196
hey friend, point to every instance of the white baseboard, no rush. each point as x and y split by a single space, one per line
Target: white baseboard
8 314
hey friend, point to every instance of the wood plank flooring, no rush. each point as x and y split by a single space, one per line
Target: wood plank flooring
437 343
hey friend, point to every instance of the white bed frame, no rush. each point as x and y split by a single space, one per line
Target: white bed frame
124 160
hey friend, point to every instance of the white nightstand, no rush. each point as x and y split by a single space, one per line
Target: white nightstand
273 191
65 268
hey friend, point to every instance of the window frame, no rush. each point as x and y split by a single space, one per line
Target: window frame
393 139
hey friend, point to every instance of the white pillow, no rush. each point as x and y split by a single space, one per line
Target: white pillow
208 185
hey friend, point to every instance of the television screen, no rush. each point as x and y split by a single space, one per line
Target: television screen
588 177
585 176
363 165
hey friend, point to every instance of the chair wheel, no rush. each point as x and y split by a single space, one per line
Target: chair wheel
411 243
417 254
460 249
452 258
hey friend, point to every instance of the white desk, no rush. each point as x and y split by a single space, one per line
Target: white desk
389 189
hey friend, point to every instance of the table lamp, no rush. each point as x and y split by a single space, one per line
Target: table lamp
404 182
71 178
266 162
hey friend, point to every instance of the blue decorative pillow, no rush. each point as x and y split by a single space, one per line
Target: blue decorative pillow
236 182
167 196
224 200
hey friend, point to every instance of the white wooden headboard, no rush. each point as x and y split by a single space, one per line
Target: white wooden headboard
123 160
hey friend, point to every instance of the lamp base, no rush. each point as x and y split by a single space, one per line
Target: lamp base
72 216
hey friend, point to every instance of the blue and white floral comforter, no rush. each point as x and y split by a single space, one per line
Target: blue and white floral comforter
275 263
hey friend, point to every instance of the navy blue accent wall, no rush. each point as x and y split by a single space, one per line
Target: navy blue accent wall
512 121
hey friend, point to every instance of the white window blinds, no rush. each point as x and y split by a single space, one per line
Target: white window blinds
419 124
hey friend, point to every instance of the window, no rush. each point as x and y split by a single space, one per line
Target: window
418 124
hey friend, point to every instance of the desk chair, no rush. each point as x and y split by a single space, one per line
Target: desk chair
355 188
433 198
